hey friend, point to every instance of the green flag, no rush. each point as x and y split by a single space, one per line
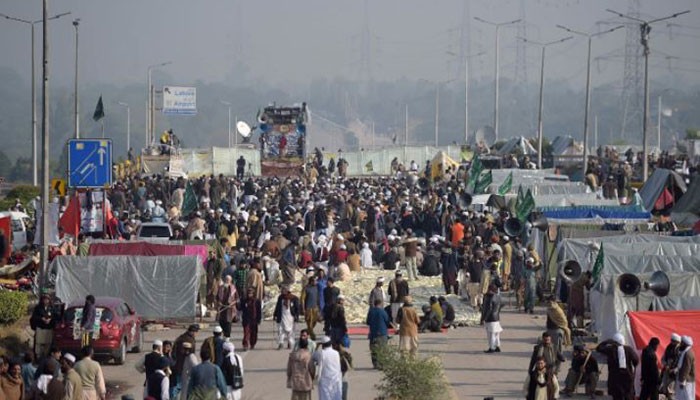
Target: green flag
483 182
369 167
189 204
506 185
99 110
526 206
475 170
518 200
598 266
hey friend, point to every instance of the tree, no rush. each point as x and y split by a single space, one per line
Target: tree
22 170
5 165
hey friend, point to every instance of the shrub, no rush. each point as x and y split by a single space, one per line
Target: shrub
402 374
13 306
25 193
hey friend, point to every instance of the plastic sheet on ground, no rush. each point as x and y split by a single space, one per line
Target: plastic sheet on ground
356 292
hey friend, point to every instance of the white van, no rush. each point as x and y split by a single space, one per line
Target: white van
19 221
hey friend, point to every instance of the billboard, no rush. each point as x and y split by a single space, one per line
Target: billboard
179 100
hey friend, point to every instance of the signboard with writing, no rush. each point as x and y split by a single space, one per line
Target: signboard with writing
178 100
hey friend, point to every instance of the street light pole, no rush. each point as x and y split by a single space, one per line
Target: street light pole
496 66
540 136
437 113
226 103
128 125
588 88
76 22
35 165
645 29
149 106
45 226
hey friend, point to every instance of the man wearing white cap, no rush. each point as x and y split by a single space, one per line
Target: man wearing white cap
685 382
233 372
622 361
149 363
330 376
71 380
377 292
669 362
215 344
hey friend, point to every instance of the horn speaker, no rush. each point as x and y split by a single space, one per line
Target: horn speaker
571 271
513 227
629 284
658 284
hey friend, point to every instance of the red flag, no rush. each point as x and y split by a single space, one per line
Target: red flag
70 220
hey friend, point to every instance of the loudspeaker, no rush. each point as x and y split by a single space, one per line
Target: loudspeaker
423 184
570 271
513 227
465 200
538 220
629 284
658 284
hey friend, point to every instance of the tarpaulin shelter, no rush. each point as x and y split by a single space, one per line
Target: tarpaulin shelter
675 303
160 288
144 248
641 243
662 190
645 325
609 304
440 163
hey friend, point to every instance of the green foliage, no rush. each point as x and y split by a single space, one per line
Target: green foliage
25 193
406 377
692 133
13 306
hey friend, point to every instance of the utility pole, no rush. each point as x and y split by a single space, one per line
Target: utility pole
540 136
35 162
76 22
45 227
496 72
150 103
590 37
437 113
645 29
226 103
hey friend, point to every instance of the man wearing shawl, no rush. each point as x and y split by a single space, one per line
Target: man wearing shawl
685 381
556 319
232 369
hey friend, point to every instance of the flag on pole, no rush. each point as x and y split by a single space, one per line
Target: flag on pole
99 110
475 171
189 203
369 167
598 265
506 185
70 220
483 182
526 206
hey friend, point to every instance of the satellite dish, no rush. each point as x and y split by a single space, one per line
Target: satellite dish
243 128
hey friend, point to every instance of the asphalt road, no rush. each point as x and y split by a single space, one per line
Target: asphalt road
472 374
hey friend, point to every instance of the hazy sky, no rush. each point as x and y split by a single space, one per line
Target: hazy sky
284 41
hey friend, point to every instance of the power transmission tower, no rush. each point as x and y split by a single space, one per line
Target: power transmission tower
633 80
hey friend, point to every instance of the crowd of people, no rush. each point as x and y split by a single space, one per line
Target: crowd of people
325 227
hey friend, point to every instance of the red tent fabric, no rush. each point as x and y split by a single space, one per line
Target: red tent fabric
661 324
70 220
665 199
135 249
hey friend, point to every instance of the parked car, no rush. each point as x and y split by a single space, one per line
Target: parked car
120 329
154 232
19 222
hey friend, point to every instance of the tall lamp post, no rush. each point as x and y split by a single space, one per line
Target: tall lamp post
128 124
226 103
76 22
539 113
496 66
35 166
645 29
149 116
590 37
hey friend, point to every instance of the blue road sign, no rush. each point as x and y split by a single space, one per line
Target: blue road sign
89 163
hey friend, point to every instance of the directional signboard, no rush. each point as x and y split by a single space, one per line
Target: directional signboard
89 163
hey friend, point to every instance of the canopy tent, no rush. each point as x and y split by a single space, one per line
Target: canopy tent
686 211
593 211
160 288
566 146
662 190
517 145
440 163
645 325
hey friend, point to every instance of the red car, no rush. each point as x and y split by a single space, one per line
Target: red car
119 329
